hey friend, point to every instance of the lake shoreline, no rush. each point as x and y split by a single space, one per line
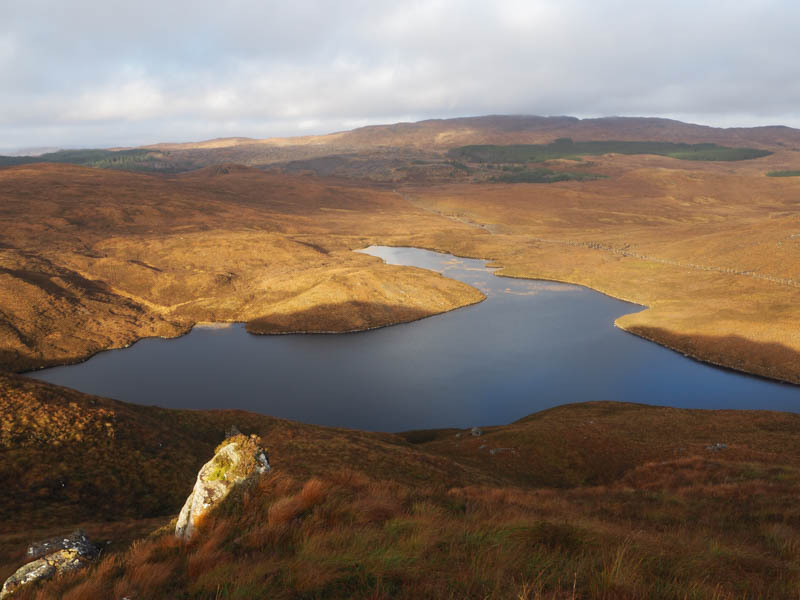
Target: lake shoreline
491 270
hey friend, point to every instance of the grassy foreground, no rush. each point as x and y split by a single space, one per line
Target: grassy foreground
592 500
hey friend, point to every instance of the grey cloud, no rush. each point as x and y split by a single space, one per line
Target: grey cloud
87 72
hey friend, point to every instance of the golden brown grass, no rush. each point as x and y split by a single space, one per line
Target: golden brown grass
464 542
289 508
711 249
69 457
597 500
615 500
92 259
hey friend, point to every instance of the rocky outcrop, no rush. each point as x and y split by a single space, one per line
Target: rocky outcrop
58 555
77 540
237 460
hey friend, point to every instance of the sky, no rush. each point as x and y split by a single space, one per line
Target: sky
90 73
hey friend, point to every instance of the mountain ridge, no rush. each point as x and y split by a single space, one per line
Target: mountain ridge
448 132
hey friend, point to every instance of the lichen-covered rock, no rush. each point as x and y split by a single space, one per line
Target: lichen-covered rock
61 555
237 460
77 540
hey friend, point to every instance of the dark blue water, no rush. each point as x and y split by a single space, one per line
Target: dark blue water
530 345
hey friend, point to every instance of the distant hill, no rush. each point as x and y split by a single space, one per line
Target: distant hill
404 143
520 129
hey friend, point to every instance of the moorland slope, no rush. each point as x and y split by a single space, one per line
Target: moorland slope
712 250
93 259
97 258
593 500
596 500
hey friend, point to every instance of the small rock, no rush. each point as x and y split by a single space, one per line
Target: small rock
262 461
458 435
77 540
717 447
237 460
232 431
58 555
476 431
494 451
482 447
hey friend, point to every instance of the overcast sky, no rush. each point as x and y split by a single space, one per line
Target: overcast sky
83 73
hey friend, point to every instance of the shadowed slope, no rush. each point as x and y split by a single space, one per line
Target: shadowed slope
338 318
69 457
615 500
93 259
768 359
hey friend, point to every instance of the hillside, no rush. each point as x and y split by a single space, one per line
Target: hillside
609 500
712 251
518 129
92 259
409 151
96 258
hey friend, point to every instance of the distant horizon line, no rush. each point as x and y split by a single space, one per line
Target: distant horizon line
39 149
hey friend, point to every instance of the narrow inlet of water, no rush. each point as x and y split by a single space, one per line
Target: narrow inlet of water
530 345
